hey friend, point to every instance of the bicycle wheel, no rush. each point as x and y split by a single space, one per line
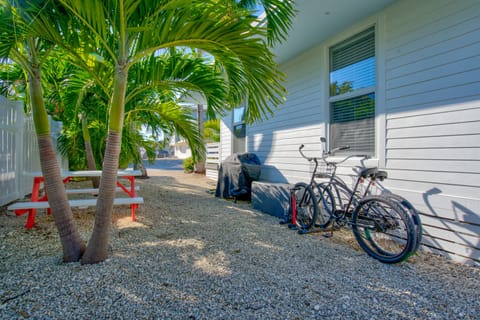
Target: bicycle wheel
306 205
326 205
383 229
417 224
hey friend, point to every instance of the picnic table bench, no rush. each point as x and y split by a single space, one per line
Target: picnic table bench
40 201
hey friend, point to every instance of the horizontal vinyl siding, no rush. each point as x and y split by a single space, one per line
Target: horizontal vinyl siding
298 121
429 69
432 103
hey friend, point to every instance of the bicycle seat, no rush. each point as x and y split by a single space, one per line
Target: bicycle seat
381 175
368 172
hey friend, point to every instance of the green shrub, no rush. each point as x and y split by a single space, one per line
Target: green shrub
188 164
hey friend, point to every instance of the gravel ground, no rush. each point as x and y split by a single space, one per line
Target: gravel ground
192 256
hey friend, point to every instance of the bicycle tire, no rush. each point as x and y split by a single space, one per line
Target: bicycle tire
326 205
383 229
417 223
306 205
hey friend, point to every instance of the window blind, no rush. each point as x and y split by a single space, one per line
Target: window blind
352 119
357 48
352 124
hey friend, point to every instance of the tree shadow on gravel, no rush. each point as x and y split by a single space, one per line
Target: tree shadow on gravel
190 255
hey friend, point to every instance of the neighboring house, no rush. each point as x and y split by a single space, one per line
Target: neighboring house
178 146
398 80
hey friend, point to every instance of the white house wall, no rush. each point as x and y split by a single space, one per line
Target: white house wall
428 94
300 120
432 101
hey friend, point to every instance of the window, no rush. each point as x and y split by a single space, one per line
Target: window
239 130
352 93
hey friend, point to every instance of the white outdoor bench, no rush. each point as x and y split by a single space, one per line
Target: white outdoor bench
93 190
82 203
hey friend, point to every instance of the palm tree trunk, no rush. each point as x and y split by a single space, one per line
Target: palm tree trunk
200 163
72 244
139 165
97 249
88 150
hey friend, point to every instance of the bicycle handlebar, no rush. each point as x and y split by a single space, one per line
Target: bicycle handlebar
302 154
326 154
345 159
338 149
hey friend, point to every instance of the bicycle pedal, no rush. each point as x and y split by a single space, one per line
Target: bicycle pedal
292 226
285 221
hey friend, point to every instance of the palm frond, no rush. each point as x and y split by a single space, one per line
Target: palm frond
168 117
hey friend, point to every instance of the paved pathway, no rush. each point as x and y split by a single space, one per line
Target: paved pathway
165 164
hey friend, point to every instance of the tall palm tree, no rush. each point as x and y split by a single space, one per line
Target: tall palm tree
128 31
30 52
123 33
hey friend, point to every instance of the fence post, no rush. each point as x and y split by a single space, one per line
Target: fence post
212 160
10 123
19 150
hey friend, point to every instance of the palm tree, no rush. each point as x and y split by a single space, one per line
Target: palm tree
123 33
30 52
129 31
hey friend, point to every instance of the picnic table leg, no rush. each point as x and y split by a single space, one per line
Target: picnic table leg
130 192
34 198
134 206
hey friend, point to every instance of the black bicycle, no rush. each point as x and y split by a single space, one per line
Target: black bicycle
380 224
306 205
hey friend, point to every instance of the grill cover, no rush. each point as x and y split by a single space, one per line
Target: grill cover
236 174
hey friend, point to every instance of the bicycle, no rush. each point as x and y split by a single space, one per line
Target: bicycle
381 226
304 205
373 174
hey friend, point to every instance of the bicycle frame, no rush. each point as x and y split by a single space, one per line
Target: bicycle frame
339 186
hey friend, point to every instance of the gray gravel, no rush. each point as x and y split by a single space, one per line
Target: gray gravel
191 256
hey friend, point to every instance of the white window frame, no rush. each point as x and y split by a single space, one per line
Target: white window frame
380 109
357 93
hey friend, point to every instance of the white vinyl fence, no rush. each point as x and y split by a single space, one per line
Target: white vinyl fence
19 150
212 161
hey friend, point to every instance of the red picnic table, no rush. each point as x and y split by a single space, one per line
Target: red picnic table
39 200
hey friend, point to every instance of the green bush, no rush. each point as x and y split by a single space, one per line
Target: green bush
188 165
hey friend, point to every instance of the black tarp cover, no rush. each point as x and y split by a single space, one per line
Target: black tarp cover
236 174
